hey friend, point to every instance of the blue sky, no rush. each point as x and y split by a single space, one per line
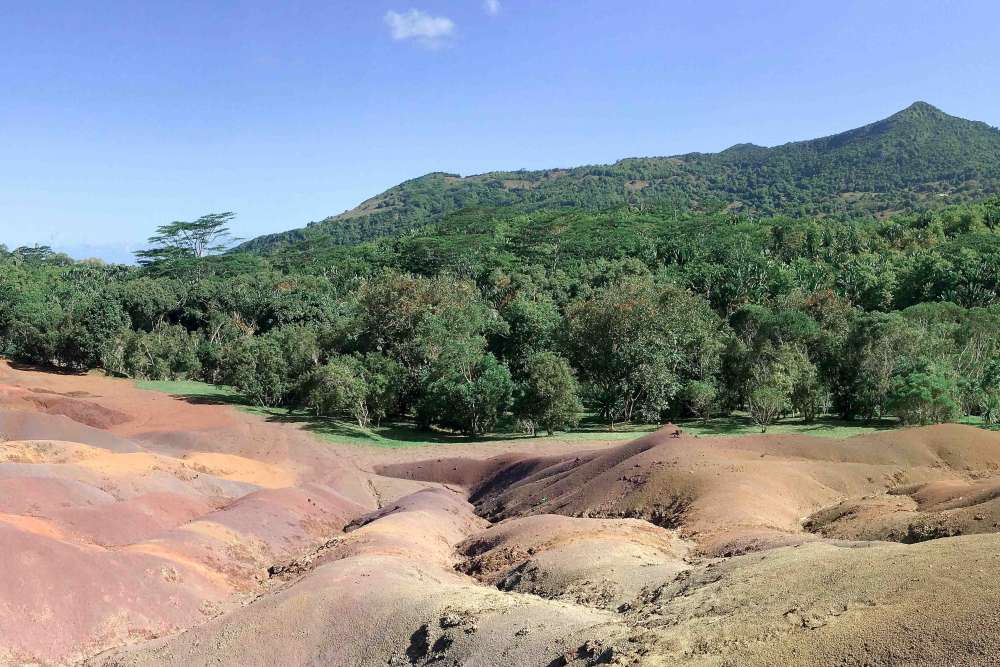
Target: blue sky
119 116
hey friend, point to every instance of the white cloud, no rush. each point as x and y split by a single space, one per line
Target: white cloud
492 7
415 24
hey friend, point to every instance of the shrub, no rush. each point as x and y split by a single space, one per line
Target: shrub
925 393
766 404
169 352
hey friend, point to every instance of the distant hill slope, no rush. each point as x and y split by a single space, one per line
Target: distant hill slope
917 157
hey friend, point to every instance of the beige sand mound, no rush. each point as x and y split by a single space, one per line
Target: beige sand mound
386 593
594 562
885 604
371 598
914 513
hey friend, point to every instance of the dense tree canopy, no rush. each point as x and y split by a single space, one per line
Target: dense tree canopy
496 315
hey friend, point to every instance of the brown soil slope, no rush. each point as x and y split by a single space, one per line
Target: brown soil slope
139 529
729 495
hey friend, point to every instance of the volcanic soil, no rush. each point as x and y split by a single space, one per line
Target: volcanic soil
142 529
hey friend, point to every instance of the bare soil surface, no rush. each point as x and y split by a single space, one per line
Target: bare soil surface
140 529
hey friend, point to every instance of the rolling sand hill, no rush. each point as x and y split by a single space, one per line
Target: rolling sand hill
140 529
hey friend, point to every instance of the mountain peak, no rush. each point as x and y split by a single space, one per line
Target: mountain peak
901 162
920 105
920 109
744 148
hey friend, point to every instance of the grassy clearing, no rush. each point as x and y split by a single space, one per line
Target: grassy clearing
405 434
978 421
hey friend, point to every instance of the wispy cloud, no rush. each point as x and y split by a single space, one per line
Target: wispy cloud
430 31
492 7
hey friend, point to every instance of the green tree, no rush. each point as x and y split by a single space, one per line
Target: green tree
702 397
991 213
270 369
633 344
868 281
169 352
180 239
531 325
257 368
766 403
89 328
877 346
465 389
548 396
924 393
989 393
385 382
809 397
779 374
410 318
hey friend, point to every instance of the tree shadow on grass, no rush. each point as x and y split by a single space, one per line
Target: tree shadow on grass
719 426
217 399
44 368
596 425
403 433
851 428
979 423
393 433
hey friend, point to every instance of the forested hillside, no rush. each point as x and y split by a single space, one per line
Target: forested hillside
496 316
918 158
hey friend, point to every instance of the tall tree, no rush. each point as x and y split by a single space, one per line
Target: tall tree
208 235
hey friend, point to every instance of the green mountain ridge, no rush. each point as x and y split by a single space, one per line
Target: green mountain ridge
917 158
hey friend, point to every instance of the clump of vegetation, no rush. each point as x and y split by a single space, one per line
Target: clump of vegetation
338 389
702 398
